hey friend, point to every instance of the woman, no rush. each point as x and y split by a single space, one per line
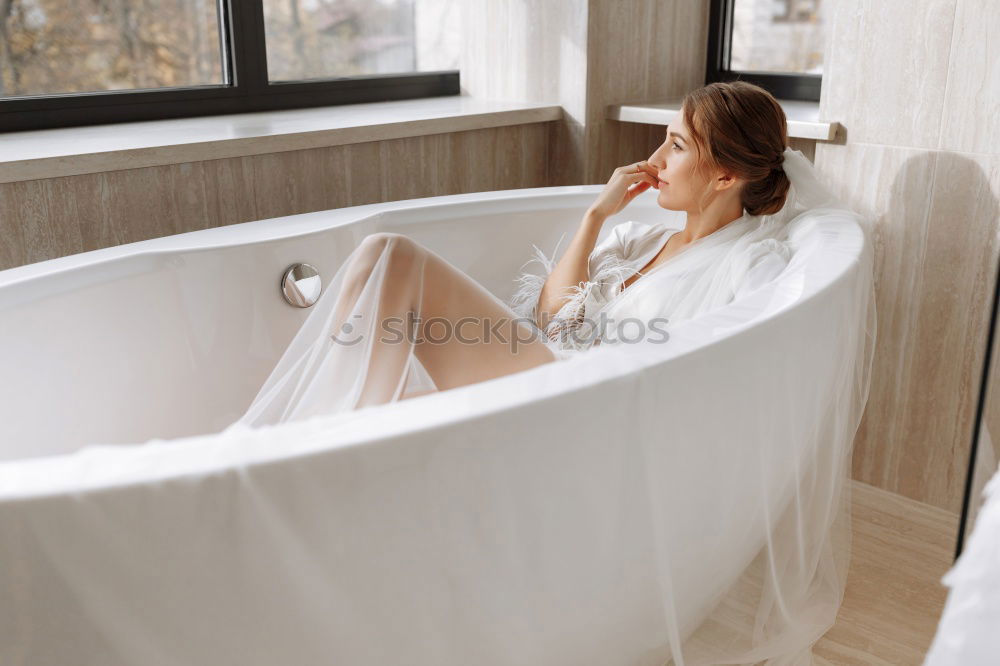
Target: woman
722 161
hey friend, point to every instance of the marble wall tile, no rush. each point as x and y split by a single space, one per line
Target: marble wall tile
299 181
528 50
363 174
79 207
991 410
972 97
24 224
138 204
640 51
403 167
625 143
226 183
953 318
806 146
526 156
933 217
59 216
920 75
469 165
532 50
567 151
885 69
584 55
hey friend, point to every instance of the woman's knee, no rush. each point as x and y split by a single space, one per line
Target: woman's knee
398 245
400 251
383 239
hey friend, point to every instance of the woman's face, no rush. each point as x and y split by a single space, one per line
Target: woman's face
679 187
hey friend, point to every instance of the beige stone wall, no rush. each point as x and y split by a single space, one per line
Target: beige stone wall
917 88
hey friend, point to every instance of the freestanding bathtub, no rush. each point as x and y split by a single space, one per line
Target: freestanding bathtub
588 511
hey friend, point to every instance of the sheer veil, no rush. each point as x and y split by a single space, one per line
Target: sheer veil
789 595
792 585
646 504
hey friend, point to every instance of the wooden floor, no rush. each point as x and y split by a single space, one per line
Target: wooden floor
900 550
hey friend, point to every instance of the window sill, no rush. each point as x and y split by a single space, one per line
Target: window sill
74 151
803 117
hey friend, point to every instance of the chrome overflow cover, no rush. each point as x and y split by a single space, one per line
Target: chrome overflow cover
301 285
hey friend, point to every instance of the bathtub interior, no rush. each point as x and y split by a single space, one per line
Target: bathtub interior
166 342
162 343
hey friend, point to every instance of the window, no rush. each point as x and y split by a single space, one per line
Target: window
96 61
776 44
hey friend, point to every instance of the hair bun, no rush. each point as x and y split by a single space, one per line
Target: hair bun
767 196
743 129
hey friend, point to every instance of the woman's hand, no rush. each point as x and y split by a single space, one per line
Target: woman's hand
626 183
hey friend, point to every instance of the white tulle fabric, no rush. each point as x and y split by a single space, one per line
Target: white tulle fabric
635 504
967 634
790 590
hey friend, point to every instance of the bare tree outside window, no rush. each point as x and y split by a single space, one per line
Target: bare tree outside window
315 39
59 46
778 36
66 63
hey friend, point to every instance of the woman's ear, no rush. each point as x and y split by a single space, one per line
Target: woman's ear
726 181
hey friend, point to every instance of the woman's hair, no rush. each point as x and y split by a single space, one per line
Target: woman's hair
740 127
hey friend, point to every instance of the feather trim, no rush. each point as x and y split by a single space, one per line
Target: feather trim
569 327
529 289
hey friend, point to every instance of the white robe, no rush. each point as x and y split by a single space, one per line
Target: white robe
710 272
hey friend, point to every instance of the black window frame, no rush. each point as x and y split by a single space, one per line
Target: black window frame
241 28
803 87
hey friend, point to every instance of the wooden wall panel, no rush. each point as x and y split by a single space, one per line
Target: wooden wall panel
49 218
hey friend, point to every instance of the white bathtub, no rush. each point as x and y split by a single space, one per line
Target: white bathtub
517 521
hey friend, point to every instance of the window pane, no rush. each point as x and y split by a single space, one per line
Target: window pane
63 46
778 36
311 39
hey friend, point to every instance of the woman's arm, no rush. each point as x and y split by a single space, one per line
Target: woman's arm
567 280
571 269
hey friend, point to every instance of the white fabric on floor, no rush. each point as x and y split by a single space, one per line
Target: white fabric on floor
969 631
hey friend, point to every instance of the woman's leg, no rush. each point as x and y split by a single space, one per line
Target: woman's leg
463 333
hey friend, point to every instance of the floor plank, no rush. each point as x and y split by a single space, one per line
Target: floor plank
900 550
